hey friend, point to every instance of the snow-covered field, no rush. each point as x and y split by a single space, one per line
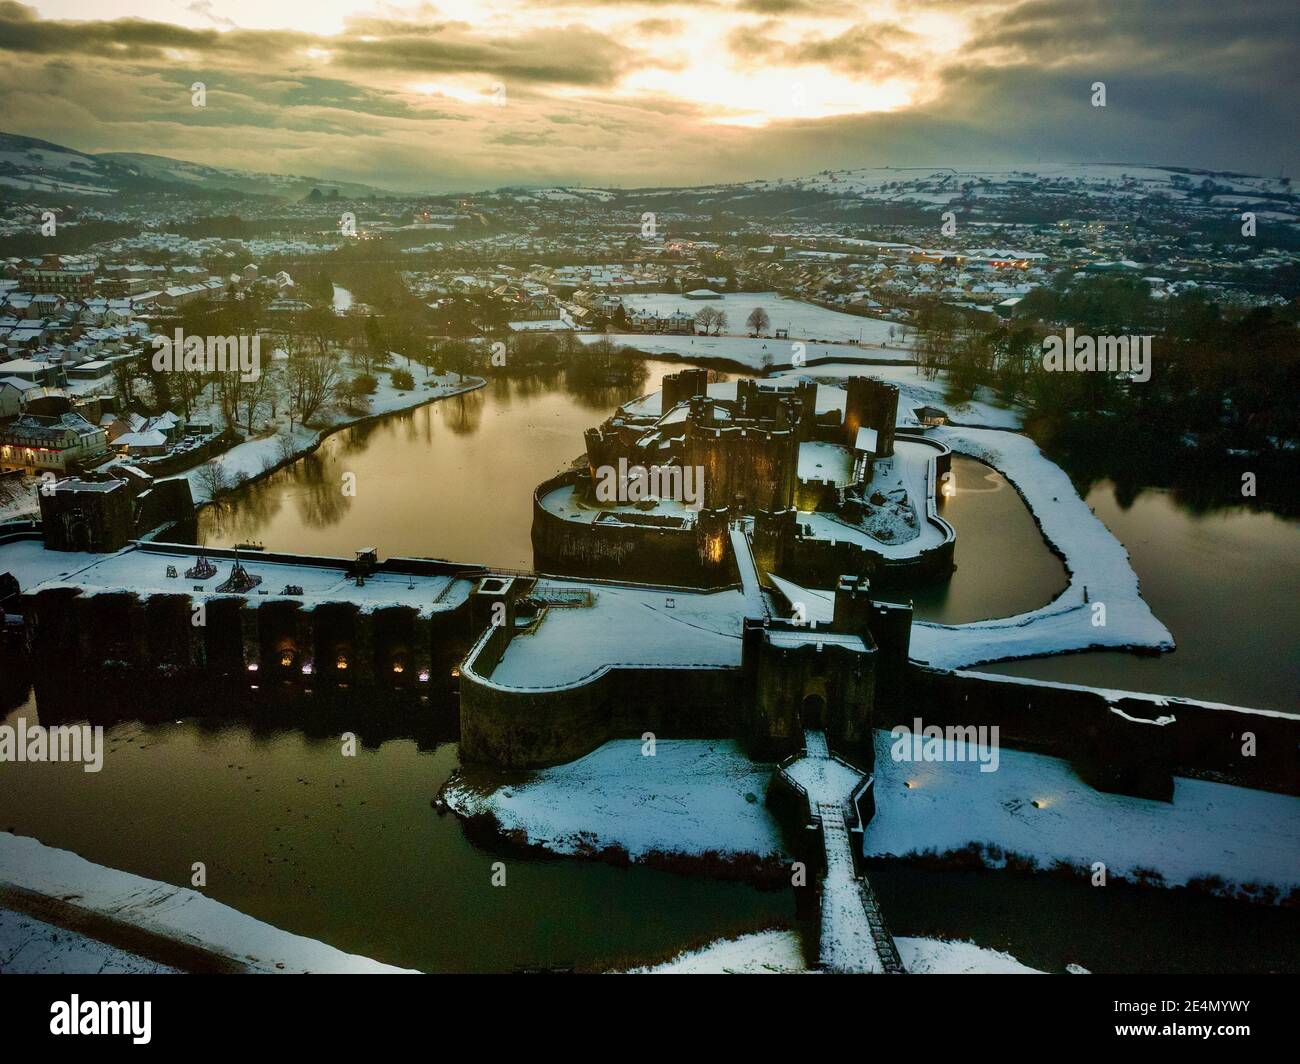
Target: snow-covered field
753 353
914 391
692 797
806 321
1240 835
777 952
177 913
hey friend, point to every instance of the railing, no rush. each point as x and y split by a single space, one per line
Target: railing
884 941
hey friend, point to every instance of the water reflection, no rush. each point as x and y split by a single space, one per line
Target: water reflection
1223 582
456 478
347 850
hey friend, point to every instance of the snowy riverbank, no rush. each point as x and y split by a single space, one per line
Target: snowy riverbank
179 914
262 455
1034 809
706 796
778 952
1102 607
691 797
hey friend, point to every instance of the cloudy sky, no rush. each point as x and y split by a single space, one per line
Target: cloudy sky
462 94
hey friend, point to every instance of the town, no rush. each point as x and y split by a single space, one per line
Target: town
764 488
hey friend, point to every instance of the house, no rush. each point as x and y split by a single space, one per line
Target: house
11 399
147 444
34 443
52 274
931 417
50 374
95 370
679 321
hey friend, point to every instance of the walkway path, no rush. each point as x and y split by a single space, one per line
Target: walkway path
854 937
755 604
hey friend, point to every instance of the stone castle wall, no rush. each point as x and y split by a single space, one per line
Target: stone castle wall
1122 750
690 556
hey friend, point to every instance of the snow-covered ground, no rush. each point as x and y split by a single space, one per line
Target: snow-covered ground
176 913
623 626
143 571
691 797
760 354
772 952
805 321
935 956
913 533
342 300
1240 835
914 390
1098 564
19 499
777 952
694 797
33 947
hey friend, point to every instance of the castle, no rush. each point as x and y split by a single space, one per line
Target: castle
817 474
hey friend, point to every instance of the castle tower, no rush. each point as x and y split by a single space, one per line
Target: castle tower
683 385
773 539
852 605
871 404
711 537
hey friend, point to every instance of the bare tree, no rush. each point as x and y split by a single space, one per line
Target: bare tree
213 480
758 321
707 318
256 396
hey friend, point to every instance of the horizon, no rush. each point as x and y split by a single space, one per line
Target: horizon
1010 166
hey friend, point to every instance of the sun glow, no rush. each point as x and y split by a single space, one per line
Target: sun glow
462 93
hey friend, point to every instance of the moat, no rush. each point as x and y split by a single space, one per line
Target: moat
350 852
422 490
384 842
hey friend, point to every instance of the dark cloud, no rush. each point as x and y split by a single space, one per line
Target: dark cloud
803 8
1194 83
573 55
866 50
660 26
